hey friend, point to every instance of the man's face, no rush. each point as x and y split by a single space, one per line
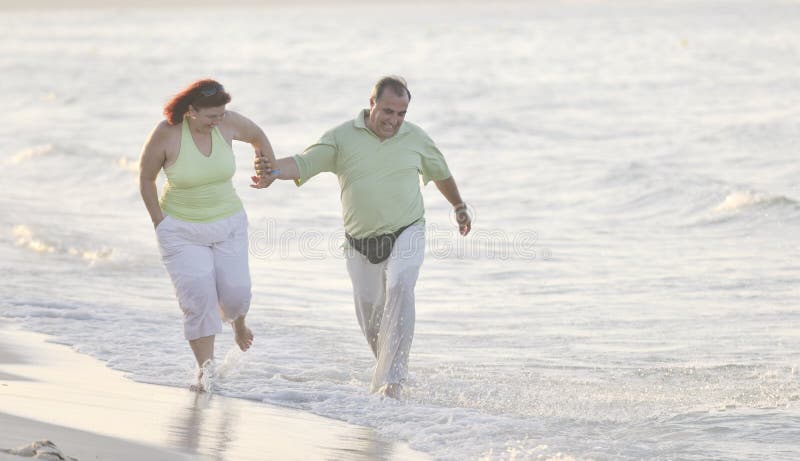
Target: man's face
386 114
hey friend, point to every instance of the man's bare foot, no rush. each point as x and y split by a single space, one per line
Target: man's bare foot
392 390
242 335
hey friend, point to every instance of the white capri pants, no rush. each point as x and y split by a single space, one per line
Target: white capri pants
208 265
384 301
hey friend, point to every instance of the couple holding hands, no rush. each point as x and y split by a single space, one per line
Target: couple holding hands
201 225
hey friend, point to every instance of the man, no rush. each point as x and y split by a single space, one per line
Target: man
378 159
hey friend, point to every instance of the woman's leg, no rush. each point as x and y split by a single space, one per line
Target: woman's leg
191 268
233 283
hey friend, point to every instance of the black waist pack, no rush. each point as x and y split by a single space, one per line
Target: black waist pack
376 248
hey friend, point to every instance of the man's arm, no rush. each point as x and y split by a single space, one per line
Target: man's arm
449 190
283 168
316 158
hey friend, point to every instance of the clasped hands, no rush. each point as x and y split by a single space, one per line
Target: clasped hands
265 175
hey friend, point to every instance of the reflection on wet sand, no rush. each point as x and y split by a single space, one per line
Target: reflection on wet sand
220 428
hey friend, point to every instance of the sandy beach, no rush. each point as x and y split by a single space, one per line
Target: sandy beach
48 391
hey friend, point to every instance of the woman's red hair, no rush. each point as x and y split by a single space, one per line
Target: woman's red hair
192 95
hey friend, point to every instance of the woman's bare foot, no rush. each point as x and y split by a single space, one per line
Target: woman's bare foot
205 375
242 335
199 388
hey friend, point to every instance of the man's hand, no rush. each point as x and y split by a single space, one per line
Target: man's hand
264 176
449 190
463 218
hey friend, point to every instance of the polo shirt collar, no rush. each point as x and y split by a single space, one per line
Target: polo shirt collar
359 122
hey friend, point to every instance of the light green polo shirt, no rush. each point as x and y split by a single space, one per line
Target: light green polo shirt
379 181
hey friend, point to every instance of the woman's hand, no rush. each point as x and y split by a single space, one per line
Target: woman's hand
264 173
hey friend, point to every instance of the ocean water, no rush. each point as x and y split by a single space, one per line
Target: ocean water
630 288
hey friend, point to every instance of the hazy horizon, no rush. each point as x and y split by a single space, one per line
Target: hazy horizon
57 4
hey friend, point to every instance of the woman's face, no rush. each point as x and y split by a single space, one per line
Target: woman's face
207 117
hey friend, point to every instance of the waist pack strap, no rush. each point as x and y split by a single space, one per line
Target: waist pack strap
376 248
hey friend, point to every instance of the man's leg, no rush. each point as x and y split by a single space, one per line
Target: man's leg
369 294
397 323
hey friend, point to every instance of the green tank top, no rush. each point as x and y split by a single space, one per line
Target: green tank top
199 188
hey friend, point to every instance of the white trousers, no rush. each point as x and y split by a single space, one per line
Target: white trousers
384 301
208 265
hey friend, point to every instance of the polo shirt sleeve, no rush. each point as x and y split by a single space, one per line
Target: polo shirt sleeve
434 166
317 158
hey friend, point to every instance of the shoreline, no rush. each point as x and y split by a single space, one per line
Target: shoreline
49 391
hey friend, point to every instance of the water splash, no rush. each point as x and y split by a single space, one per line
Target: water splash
207 377
127 164
25 238
30 153
737 201
230 364
741 200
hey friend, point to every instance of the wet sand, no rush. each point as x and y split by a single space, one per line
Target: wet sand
49 391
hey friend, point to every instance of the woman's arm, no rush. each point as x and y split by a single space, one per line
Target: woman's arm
150 163
246 130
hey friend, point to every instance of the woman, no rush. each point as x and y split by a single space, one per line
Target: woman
199 220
